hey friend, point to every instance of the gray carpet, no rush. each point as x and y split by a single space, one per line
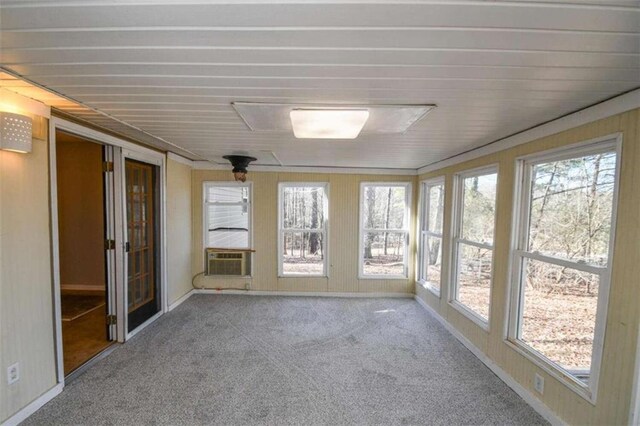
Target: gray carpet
235 360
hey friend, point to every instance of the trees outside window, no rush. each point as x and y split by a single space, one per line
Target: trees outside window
303 211
473 242
384 229
562 257
430 244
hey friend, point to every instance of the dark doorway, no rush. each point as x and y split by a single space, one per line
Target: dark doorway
82 207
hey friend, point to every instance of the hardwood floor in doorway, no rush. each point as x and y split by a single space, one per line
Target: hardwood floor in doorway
84 330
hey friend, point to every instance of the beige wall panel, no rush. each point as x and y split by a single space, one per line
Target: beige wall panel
179 233
26 307
265 231
344 192
315 284
343 234
617 370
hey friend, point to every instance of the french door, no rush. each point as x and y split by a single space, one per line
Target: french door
142 242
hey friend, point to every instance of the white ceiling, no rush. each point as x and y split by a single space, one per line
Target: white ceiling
172 68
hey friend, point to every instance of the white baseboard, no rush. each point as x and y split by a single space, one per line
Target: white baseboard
34 406
530 399
302 293
83 287
180 300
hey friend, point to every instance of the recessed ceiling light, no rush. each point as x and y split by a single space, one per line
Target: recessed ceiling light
328 123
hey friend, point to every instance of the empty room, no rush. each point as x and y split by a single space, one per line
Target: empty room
314 212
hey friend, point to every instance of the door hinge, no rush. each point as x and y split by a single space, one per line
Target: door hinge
109 244
107 166
112 320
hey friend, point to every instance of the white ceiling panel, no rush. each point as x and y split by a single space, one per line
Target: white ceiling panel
165 72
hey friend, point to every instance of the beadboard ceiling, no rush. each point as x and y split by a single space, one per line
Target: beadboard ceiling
166 72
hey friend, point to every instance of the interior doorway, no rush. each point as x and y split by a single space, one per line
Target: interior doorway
85 212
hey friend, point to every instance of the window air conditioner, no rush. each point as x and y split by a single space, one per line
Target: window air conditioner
228 263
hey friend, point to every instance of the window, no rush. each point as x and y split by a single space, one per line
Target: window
227 215
302 214
384 229
562 259
473 243
430 247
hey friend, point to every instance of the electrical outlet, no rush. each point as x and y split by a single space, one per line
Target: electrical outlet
538 383
13 373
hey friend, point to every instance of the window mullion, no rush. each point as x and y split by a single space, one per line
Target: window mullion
584 267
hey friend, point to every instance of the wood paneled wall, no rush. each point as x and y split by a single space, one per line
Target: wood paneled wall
617 370
80 213
344 190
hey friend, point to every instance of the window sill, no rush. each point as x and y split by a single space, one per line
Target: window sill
573 383
302 276
470 315
427 286
382 277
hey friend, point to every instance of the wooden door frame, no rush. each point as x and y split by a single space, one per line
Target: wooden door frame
126 150
159 160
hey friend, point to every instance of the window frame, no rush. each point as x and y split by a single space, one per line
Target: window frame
424 233
520 231
406 230
205 215
456 240
324 230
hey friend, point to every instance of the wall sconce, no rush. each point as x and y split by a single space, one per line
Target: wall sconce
240 164
15 132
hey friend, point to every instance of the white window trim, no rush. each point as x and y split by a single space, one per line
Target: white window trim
406 230
458 178
519 235
206 184
424 233
324 230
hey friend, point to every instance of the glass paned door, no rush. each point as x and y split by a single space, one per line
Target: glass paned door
142 248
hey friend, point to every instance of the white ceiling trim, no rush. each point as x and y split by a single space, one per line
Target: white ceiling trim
617 105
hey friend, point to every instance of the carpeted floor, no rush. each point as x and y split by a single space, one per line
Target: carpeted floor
235 360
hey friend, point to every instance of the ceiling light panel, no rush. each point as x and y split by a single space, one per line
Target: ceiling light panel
382 119
327 123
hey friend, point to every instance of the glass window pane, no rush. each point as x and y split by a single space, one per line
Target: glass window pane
227 217
559 313
303 207
227 194
384 253
478 210
436 208
434 261
303 253
474 278
423 261
571 208
384 207
228 239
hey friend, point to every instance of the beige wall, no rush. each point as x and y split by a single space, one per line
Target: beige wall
80 213
617 371
178 230
344 192
26 308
